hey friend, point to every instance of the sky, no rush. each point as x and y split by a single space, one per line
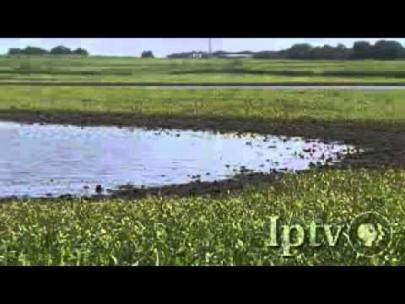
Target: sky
164 46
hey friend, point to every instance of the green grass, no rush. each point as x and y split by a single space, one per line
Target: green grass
376 107
233 230
126 69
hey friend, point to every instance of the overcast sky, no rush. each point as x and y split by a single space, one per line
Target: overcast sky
165 46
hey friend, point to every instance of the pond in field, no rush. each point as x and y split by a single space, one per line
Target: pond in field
51 160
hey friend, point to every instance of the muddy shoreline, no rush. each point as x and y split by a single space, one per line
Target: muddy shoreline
382 148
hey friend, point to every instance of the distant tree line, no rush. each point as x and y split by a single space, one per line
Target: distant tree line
59 50
382 49
147 54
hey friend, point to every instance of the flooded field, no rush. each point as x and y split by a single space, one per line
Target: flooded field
53 160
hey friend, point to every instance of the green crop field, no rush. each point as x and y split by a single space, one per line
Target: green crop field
135 70
233 230
329 105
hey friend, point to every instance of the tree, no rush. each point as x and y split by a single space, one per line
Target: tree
362 50
80 51
384 49
147 54
60 50
14 51
30 50
299 51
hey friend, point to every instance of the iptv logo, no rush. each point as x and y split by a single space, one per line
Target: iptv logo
369 234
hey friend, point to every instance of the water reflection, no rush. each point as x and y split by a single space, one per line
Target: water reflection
40 160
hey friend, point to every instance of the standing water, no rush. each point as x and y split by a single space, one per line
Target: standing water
51 160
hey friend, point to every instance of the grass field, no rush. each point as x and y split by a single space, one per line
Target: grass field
255 105
135 70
